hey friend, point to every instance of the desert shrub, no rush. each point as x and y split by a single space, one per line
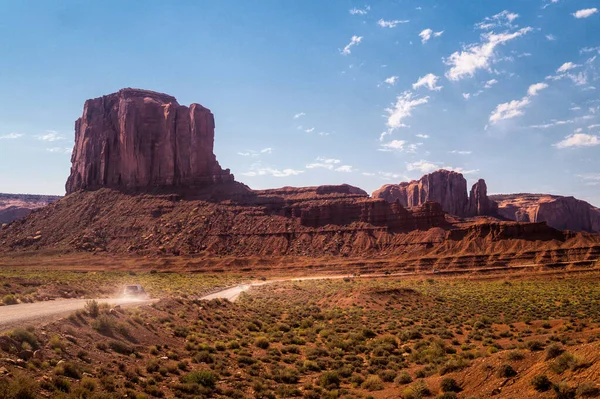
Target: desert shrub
372 383
9 299
447 395
92 308
450 385
104 324
588 389
121 348
554 351
88 383
181 331
206 378
563 391
23 336
515 355
286 375
56 343
535 346
506 371
69 369
20 387
262 342
387 375
329 380
403 378
417 390
541 383
152 366
563 362
454 365
62 384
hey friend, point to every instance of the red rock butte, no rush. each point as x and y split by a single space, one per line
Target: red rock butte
134 140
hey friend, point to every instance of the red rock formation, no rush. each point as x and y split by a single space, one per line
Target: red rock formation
138 139
563 213
479 202
447 188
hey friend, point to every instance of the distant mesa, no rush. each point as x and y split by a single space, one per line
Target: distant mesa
134 140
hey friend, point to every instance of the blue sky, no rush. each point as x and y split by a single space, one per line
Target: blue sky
320 92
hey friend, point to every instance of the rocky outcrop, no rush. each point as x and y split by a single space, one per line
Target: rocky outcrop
479 202
448 188
135 140
563 213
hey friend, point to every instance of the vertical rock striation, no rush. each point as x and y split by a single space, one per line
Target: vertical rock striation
139 139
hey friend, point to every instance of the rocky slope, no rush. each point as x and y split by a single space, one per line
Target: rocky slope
564 213
15 206
445 187
139 139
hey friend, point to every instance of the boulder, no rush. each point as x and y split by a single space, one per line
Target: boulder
135 140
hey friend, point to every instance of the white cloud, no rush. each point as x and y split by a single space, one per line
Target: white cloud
50 135
358 11
461 170
252 153
466 96
490 83
353 42
391 24
427 34
60 150
590 50
391 80
312 129
502 19
11 136
550 37
460 152
422 166
514 108
405 103
535 88
345 168
367 174
299 115
429 81
578 140
259 171
552 124
266 150
422 136
587 12
509 110
389 175
567 66
593 126
323 134
325 163
480 55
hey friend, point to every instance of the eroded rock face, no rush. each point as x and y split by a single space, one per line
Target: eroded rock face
563 213
445 187
138 139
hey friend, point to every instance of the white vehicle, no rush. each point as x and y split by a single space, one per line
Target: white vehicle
135 290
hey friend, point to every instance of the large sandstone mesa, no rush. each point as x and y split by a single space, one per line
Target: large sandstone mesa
139 139
564 213
15 206
448 188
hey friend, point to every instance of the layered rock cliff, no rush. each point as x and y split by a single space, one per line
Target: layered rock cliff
139 139
15 206
564 213
445 187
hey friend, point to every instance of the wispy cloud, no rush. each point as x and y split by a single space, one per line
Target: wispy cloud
258 170
502 19
391 24
480 55
359 11
312 129
325 163
11 136
490 83
514 108
552 124
252 153
345 169
587 12
60 150
567 66
422 166
550 37
578 140
391 80
299 115
402 109
50 135
422 136
353 42
400 146
427 34
429 81
459 152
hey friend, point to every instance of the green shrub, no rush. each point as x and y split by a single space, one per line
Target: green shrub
588 389
20 387
104 324
450 385
387 375
373 383
9 299
563 362
417 390
563 391
403 378
541 383
515 355
506 371
22 336
329 380
92 308
554 351
206 378
121 348
262 342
